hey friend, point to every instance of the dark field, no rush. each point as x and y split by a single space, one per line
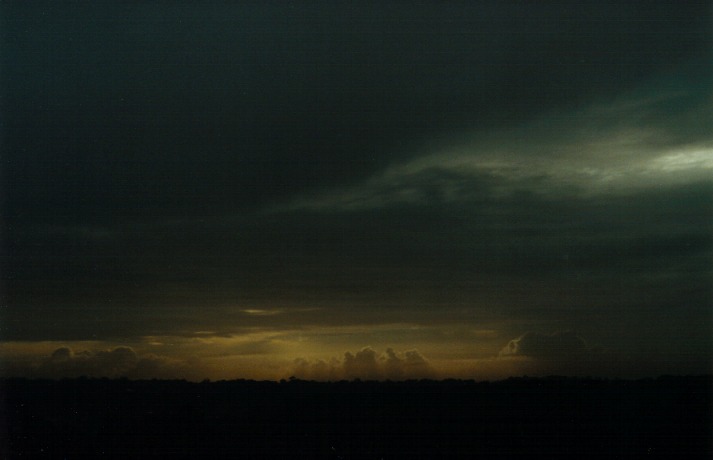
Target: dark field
552 417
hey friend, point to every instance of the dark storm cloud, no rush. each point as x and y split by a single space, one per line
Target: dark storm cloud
176 169
128 109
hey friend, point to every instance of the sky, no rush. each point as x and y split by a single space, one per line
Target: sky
339 190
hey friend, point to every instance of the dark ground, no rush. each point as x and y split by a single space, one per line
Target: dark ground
524 417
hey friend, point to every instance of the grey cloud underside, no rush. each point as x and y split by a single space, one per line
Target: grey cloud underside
527 258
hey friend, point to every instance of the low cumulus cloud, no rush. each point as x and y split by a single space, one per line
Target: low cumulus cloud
113 363
366 364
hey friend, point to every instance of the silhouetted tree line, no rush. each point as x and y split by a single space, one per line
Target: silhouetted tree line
563 417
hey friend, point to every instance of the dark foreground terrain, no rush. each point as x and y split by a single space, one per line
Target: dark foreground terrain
553 417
